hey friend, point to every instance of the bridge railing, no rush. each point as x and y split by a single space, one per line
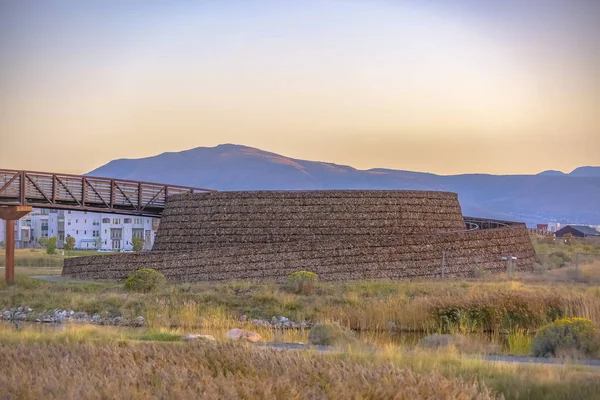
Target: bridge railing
95 194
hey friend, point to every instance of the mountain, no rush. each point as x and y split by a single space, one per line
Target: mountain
572 198
589 172
551 172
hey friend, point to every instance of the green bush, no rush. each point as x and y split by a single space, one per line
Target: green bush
303 282
51 245
567 335
330 335
144 280
562 256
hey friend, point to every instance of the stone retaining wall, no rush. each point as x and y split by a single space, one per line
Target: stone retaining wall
226 218
337 234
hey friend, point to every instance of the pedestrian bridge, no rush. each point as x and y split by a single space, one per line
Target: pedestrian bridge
86 193
20 191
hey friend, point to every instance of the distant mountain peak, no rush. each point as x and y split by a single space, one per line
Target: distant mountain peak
552 172
586 172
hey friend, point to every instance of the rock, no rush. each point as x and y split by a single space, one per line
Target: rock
274 320
194 336
283 319
140 321
240 334
244 318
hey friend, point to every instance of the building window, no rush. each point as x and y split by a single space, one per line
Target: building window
77 232
85 232
68 222
127 220
76 221
69 212
85 221
106 220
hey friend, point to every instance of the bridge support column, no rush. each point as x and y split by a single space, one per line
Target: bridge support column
10 215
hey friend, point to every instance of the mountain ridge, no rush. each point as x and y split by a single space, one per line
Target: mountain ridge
528 198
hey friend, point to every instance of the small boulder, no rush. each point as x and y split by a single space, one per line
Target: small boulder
240 334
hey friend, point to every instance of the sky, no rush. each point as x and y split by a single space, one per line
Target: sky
442 86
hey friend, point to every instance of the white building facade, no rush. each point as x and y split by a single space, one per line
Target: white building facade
91 231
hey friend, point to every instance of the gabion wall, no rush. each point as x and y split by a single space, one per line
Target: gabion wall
337 234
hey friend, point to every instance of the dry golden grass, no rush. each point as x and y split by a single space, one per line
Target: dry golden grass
454 306
211 371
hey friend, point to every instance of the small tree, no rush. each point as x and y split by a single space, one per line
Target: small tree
51 245
97 242
43 242
69 243
138 243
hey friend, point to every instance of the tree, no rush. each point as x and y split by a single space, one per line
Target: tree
51 245
138 243
43 241
69 243
97 242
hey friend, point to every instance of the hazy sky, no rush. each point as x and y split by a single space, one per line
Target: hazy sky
444 86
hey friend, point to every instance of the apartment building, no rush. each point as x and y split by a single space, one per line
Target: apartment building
90 230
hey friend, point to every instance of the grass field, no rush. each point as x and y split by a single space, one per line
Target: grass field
497 314
39 257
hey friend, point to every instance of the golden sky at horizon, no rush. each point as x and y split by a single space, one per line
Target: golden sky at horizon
437 86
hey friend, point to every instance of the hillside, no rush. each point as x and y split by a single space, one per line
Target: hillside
570 197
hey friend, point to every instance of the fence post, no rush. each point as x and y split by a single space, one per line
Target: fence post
443 263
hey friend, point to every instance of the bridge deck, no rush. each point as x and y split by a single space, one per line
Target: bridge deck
86 193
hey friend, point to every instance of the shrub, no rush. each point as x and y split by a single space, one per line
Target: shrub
144 280
303 282
567 335
562 256
51 245
330 335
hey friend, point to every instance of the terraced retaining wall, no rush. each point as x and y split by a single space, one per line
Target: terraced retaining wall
337 234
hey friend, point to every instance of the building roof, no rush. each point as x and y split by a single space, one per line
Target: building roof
586 230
